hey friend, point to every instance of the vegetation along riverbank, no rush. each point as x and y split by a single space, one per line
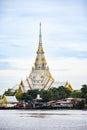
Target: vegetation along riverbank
53 98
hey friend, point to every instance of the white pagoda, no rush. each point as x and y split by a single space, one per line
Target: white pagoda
40 76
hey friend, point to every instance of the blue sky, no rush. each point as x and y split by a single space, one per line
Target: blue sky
64 36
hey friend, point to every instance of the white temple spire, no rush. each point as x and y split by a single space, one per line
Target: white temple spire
40 35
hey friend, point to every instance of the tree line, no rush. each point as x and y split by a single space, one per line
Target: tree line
50 94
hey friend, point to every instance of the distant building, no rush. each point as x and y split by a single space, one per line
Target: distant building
65 103
8 101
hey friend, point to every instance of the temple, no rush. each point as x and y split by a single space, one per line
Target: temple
40 76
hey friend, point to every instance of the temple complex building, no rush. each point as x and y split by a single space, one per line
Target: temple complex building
40 76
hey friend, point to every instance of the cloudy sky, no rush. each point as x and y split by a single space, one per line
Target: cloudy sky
64 36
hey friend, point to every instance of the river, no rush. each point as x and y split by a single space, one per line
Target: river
43 120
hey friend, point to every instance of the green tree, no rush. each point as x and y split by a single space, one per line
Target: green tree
55 93
18 96
76 94
63 92
9 92
80 104
46 95
32 94
84 91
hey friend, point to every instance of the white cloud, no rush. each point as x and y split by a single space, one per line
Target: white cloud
69 66
76 46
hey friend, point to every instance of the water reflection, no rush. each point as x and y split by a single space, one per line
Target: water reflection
41 115
37 115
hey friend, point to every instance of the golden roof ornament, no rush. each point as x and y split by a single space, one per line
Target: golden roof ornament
40 48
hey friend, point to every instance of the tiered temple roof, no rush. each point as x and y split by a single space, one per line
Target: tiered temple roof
40 76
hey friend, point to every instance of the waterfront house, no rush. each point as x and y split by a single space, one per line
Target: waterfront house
8 101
